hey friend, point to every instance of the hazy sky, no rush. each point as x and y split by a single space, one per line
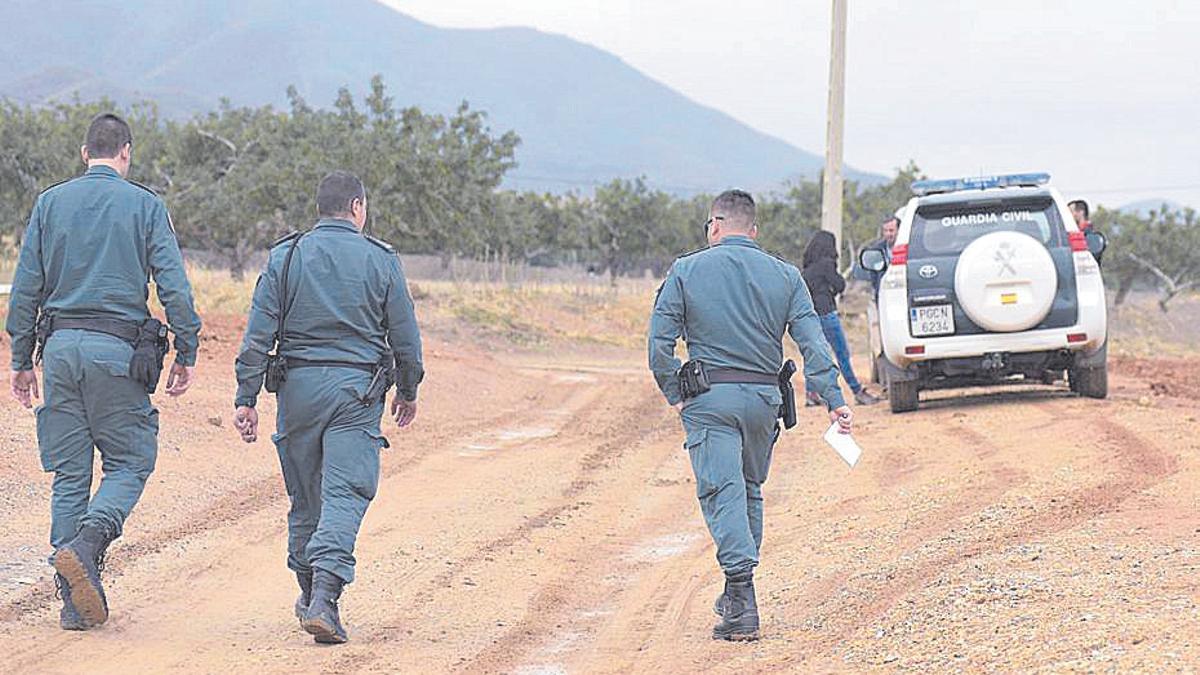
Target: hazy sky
1103 94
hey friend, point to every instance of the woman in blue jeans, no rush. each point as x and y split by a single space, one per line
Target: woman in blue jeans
825 284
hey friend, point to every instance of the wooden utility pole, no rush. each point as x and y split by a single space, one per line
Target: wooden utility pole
831 193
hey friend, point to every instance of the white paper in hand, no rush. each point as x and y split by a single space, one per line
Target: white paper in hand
843 444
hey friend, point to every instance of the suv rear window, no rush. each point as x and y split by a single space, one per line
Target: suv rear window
946 229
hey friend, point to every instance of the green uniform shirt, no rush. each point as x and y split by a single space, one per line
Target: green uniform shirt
732 303
348 302
90 249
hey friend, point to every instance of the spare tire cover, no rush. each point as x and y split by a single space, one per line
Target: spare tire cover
1005 281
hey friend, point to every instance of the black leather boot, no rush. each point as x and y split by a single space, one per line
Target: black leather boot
739 618
322 619
79 563
305 579
68 616
721 601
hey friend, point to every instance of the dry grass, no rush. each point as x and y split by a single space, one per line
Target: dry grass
538 314
218 293
523 315
545 314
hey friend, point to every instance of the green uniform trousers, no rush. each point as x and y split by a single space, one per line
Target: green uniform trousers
328 442
731 430
91 403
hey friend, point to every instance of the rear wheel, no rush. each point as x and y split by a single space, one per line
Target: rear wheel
903 395
1090 382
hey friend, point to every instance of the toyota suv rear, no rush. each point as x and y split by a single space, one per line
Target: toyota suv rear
990 281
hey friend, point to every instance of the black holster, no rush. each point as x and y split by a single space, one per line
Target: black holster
381 382
149 350
787 409
276 372
41 331
693 379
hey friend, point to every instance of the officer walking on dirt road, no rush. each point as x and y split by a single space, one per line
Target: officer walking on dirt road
732 302
79 303
331 328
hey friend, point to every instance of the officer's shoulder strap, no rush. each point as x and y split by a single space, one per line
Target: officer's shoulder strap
54 185
781 259
147 188
381 244
294 234
702 249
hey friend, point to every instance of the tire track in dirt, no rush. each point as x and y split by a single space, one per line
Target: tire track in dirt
1144 465
247 500
611 437
580 402
662 619
239 504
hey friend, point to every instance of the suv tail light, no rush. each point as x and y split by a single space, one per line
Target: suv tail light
1076 337
1078 241
900 254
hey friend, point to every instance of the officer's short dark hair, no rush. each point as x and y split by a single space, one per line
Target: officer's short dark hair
1080 205
337 192
106 135
736 205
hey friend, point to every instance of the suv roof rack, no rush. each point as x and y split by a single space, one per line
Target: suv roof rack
922 188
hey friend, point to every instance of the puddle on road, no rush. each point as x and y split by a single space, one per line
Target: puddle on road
507 437
526 434
563 643
662 548
550 669
577 378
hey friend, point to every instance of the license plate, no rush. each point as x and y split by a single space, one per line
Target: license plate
931 320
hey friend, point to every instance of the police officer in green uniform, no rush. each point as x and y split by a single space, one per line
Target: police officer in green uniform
348 326
80 291
732 302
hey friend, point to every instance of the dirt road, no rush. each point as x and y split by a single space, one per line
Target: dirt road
540 517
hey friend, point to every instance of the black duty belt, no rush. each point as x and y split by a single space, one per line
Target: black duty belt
736 376
125 330
304 363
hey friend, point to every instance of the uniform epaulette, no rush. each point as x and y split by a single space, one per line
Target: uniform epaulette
147 188
286 238
54 185
780 258
381 244
689 253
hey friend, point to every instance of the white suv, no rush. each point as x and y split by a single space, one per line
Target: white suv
990 281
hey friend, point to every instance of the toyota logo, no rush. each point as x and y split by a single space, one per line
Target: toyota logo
928 271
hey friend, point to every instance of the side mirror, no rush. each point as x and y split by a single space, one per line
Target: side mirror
872 259
1096 242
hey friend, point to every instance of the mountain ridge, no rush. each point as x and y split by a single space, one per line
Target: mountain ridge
582 112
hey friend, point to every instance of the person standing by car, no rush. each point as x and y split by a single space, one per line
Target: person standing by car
825 284
887 238
1080 212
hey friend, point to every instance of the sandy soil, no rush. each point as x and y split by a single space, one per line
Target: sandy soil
540 518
